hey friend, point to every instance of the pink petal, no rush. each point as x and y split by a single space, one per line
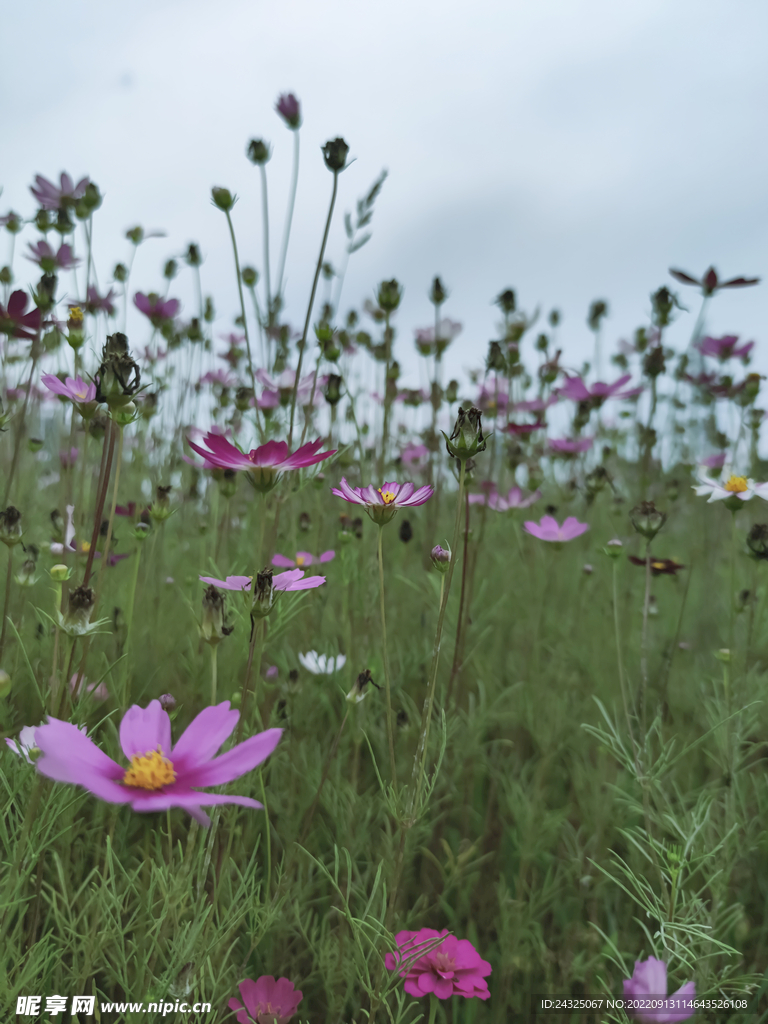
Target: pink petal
327 556
346 492
203 737
236 762
145 729
307 558
282 562
273 453
420 496
284 580
308 583
144 801
69 756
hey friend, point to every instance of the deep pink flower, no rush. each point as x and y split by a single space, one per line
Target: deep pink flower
576 390
14 321
51 197
266 1001
159 776
289 108
414 453
514 499
157 309
550 529
570 446
296 579
649 980
382 503
710 283
73 388
263 463
50 261
725 348
302 559
452 968
524 428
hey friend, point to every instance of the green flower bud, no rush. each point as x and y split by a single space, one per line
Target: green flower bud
258 152
335 154
506 301
5 684
10 527
441 558
120 273
250 277
389 295
647 519
223 198
192 256
437 293
212 627
263 594
467 439
35 444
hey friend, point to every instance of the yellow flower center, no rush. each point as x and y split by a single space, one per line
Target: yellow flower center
736 484
85 547
299 560
75 317
387 496
657 565
150 771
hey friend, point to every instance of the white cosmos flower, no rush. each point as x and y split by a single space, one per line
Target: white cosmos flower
321 664
740 487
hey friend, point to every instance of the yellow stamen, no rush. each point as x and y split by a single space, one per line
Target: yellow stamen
299 560
387 496
657 565
150 771
75 316
85 547
736 484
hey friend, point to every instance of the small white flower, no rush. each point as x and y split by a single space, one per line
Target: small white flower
740 487
321 664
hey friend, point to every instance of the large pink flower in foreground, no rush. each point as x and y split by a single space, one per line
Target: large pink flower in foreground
649 980
453 967
263 462
159 776
296 579
266 1001
382 503
550 529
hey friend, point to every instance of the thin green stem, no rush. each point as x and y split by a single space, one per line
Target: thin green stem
7 601
289 214
265 221
390 731
129 626
242 309
214 671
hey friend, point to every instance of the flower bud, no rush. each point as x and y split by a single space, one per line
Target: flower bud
78 615
389 295
441 558
289 108
437 293
6 275
757 541
119 376
506 301
250 277
35 444
452 391
170 270
160 509
332 389
222 198
141 531
125 414
168 702
406 531
263 594
192 255
120 273
258 152
614 548
358 691
647 519
212 627
495 361
597 311
335 154
5 684
305 523
467 439
60 573
10 526
26 577
14 223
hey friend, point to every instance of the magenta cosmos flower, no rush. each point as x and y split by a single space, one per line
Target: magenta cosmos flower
266 1001
53 197
96 303
575 389
514 499
550 529
648 980
289 108
452 968
14 321
570 446
302 559
262 463
159 776
49 261
710 282
294 580
73 388
725 348
155 308
382 503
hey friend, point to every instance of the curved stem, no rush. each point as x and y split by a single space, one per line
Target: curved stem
303 342
289 214
390 734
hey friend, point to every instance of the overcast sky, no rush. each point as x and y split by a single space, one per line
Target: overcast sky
571 149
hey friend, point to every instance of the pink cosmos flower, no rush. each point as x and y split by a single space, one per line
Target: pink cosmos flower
710 283
73 388
302 558
98 691
68 458
266 1001
294 580
570 446
525 428
452 967
263 462
283 386
50 261
96 303
536 404
14 321
159 776
414 453
382 503
649 979
514 499
550 529
222 377
714 461
289 108
725 348
447 330
575 389
156 308
52 197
